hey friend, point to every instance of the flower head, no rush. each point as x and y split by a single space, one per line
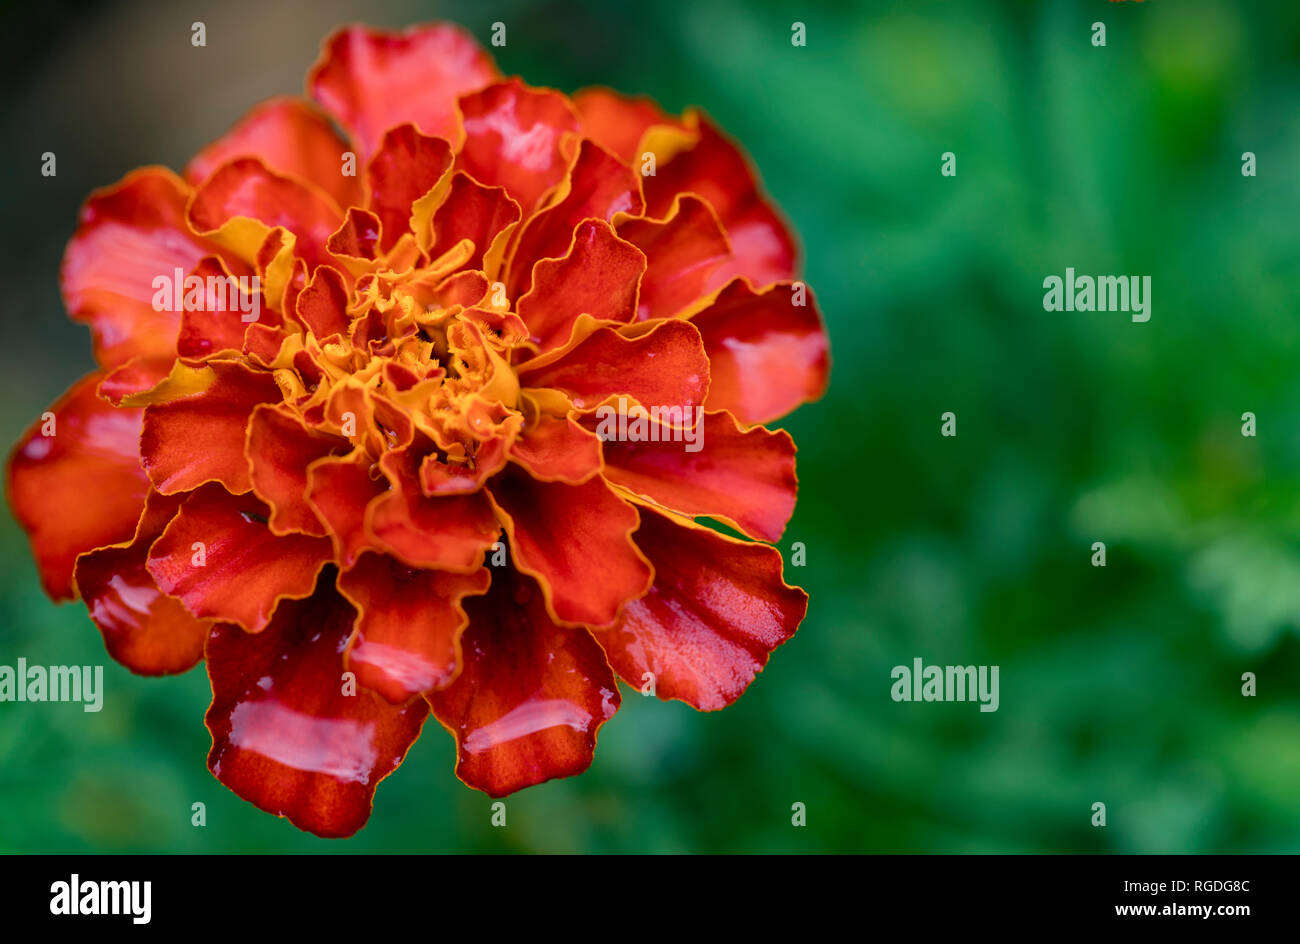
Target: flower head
419 418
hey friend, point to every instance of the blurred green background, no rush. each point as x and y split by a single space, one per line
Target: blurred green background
1119 685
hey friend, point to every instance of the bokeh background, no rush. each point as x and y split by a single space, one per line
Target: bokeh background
1119 684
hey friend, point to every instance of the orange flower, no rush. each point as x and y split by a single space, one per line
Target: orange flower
432 435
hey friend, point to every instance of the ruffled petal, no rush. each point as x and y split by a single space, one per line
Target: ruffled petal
558 449
716 611
474 212
280 448
616 122
245 187
767 355
200 437
406 167
744 477
409 624
287 734
291 137
682 253
80 488
762 248
323 305
144 630
217 326
129 235
372 80
597 276
340 490
219 558
450 533
575 539
513 138
598 187
664 366
531 697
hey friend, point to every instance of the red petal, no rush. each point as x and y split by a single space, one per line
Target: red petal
81 488
340 490
665 366
128 235
471 211
286 735
682 252
716 170
597 276
200 438
245 187
766 355
135 376
405 168
216 326
149 633
408 633
529 701
280 448
358 237
599 186
716 611
291 137
743 477
373 80
557 449
513 137
246 570
449 533
323 305
616 122
575 540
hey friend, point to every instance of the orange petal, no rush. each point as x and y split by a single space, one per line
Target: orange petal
617 122
531 696
291 137
716 611
715 169
323 305
682 252
450 533
216 326
246 188
665 366
200 438
597 276
513 137
340 490
358 237
286 735
136 376
80 488
766 354
406 167
127 236
575 539
599 186
474 212
280 448
373 80
742 477
149 633
410 623
222 561
557 449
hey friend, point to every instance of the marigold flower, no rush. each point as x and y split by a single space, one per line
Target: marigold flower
387 493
